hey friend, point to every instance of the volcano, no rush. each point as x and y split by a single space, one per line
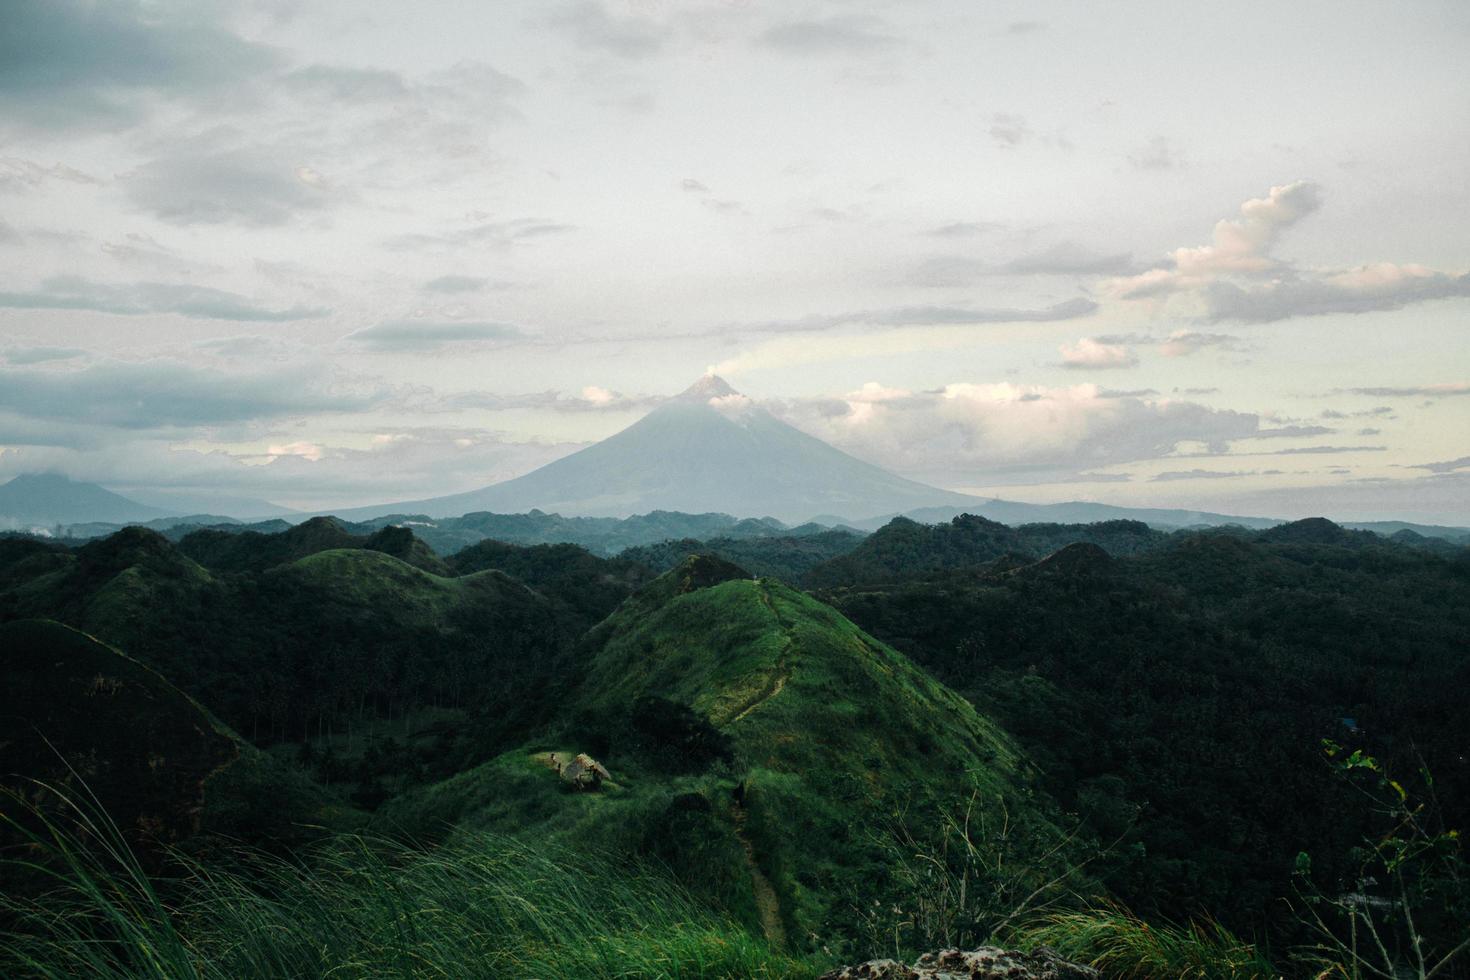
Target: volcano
707 449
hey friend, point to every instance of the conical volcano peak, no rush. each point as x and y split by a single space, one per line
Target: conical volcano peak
707 387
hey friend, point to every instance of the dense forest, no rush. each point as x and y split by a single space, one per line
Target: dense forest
1197 726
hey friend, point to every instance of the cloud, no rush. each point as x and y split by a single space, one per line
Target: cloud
144 298
1240 245
1436 498
246 346
1025 27
423 335
397 463
1158 154
1380 411
1088 354
1324 450
212 180
456 284
1062 259
965 433
947 271
962 229
1444 466
1071 258
842 35
137 250
487 234
342 84
1171 475
1009 130
17 174
724 207
170 394
1381 286
383 129
1294 432
692 186
40 355
1412 391
1182 343
589 25
66 63
593 398
1235 278
920 316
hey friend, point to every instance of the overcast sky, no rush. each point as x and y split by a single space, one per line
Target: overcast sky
336 253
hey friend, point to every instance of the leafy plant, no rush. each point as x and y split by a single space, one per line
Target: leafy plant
1404 909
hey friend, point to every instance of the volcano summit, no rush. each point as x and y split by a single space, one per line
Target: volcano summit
707 449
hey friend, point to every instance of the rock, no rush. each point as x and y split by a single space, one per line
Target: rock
583 772
985 963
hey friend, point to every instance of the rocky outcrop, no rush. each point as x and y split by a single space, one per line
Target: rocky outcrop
985 963
582 771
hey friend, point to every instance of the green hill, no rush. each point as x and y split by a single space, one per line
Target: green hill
903 548
1178 699
253 551
588 587
86 722
786 558
336 641
766 749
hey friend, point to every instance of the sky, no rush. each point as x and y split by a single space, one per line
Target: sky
1150 254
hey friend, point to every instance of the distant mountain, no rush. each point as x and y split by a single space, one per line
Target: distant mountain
707 449
186 502
42 500
1071 512
1393 529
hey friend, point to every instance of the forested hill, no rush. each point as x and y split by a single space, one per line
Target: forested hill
903 548
1179 698
1162 700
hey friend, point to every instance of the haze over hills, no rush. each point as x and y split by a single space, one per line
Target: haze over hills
706 449
45 499
708 454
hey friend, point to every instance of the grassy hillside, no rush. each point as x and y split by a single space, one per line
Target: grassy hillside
772 754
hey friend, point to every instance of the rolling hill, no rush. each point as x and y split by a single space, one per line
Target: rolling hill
765 749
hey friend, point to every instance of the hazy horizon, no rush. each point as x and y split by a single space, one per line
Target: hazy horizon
341 254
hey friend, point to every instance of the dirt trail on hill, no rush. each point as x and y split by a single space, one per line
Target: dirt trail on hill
783 664
767 906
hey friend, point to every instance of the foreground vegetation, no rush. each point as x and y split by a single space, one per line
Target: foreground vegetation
482 906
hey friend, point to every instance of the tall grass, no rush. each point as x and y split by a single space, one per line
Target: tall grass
482 906
1124 947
